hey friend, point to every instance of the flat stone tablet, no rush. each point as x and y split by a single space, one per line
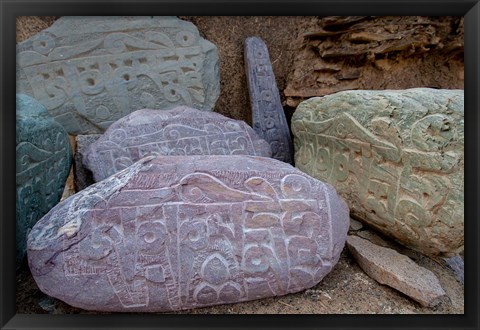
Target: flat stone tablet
268 116
43 160
181 131
91 71
396 270
396 156
180 232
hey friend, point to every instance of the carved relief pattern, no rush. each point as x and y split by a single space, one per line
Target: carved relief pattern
41 170
268 117
89 85
202 240
178 135
405 188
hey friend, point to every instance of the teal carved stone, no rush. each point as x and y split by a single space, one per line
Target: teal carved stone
43 160
91 71
397 157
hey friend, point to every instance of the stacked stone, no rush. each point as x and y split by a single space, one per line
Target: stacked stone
183 207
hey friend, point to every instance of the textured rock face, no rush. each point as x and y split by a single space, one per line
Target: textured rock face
180 232
181 131
83 176
267 112
397 271
91 71
396 156
43 159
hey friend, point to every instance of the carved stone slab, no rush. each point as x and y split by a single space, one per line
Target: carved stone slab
43 160
91 71
396 156
179 232
268 116
181 131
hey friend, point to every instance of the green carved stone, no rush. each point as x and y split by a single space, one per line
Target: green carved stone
43 159
397 157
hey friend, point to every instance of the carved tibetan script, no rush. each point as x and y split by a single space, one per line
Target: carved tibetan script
182 232
91 71
268 116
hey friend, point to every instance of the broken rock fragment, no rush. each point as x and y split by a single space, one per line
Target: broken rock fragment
179 232
397 271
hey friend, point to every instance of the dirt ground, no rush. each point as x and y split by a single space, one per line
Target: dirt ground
346 289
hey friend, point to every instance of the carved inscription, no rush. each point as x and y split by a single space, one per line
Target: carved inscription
178 132
402 171
193 239
268 116
43 159
108 67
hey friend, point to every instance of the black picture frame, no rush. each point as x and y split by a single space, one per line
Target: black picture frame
10 9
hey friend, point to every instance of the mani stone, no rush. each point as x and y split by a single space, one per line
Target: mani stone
391 268
397 157
43 160
91 71
180 232
268 116
182 131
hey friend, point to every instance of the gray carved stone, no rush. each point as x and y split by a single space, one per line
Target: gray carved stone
396 156
43 160
180 131
91 71
268 116
180 232
82 175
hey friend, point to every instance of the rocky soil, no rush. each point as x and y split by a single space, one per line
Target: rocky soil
327 54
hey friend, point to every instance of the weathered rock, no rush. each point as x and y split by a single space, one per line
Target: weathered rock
43 159
179 232
456 263
397 271
397 157
268 116
355 225
83 176
181 131
375 53
91 71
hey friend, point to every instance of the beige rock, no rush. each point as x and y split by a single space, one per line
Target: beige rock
391 268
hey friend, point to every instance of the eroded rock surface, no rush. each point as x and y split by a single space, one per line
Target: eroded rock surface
91 71
397 157
43 160
391 268
180 232
83 176
177 132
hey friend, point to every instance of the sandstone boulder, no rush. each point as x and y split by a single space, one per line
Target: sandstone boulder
397 157
91 71
43 160
180 232
391 268
182 131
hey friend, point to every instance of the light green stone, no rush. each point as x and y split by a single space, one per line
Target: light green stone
397 157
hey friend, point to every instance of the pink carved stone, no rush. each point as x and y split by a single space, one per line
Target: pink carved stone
181 131
180 232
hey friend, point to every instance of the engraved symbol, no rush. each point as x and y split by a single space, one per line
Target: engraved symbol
185 38
147 100
43 44
102 112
